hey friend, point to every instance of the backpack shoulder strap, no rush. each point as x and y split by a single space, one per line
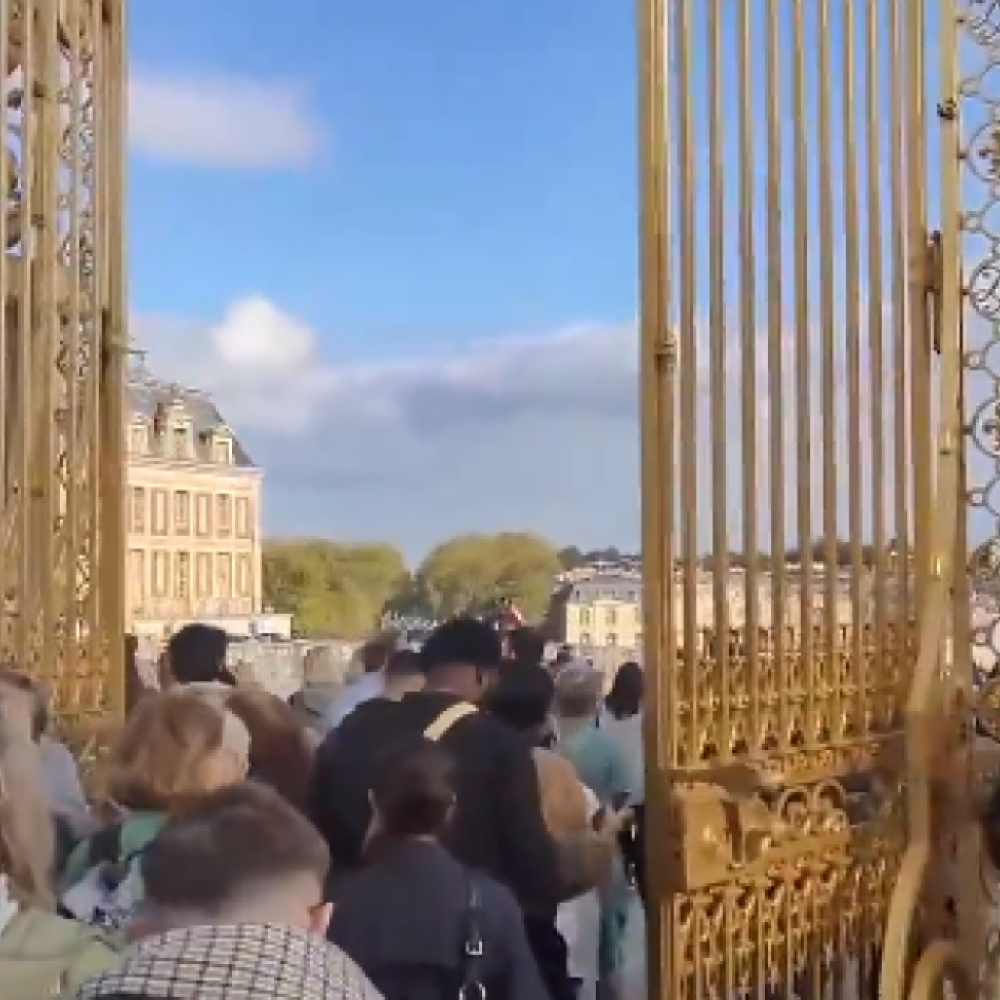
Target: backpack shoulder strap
471 960
444 722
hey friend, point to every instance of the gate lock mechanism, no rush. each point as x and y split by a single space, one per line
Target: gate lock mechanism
721 822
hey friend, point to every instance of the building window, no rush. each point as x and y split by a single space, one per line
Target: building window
137 576
638 638
243 517
159 512
222 450
182 512
161 574
585 617
611 617
182 441
138 510
612 639
204 567
139 439
243 577
584 638
223 514
204 514
182 576
224 576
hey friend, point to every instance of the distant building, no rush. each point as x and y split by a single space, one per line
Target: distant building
597 611
192 512
606 610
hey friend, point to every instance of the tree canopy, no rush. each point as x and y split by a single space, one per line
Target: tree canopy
331 589
336 589
344 590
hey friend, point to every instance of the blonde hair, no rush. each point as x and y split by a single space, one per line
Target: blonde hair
169 752
27 836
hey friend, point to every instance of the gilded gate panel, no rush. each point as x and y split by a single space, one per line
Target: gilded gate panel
977 617
801 376
61 344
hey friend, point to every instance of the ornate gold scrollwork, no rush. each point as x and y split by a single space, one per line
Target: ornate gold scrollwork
730 818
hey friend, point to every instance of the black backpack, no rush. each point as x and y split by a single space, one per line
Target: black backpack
465 981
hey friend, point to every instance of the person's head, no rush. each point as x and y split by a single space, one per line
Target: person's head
527 645
375 653
24 702
522 698
625 697
240 855
403 674
281 756
322 667
174 748
196 654
27 834
461 656
413 793
578 692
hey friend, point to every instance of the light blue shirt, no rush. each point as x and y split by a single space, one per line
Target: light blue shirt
366 687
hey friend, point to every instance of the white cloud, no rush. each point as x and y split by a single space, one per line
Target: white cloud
220 121
533 431
529 431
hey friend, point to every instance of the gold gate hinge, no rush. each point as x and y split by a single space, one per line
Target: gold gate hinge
933 281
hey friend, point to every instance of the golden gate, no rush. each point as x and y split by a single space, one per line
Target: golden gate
820 191
62 338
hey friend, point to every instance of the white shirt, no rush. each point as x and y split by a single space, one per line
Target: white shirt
366 687
579 922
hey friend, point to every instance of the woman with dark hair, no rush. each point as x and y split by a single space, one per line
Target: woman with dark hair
523 698
624 700
419 923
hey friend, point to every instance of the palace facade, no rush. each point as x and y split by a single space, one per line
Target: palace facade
193 512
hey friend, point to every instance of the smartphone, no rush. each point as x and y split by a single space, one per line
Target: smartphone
621 800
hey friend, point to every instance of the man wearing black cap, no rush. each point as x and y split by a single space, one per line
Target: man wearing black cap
498 825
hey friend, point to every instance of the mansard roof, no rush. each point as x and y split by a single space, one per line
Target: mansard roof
145 395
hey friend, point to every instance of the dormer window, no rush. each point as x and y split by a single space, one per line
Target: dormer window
138 439
181 442
222 445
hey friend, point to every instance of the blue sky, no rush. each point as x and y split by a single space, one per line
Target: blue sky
397 241
476 176
426 195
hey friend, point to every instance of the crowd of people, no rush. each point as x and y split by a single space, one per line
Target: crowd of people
454 822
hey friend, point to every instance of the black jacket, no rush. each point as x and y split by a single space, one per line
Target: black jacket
408 913
497 827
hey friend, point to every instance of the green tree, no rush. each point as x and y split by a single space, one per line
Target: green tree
571 557
330 588
471 573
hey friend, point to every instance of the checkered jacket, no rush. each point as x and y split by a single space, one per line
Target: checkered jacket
238 962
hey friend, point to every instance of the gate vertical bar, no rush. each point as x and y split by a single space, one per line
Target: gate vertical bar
657 403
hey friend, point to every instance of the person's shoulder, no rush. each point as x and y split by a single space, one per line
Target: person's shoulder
372 712
497 899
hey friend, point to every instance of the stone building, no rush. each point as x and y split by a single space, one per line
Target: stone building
193 512
606 610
